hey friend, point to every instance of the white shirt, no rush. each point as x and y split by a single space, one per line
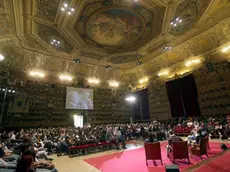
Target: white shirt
13 137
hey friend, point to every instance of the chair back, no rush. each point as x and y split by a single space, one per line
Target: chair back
25 163
152 150
203 145
180 150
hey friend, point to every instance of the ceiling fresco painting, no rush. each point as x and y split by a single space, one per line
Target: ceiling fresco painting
118 27
115 27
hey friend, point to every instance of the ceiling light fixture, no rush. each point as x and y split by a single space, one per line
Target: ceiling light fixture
226 49
113 84
192 62
55 42
176 21
167 48
65 77
163 73
139 63
1 57
108 67
77 60
93 81
9 90
143 80
37 74
66 7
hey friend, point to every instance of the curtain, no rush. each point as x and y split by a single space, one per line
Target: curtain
174 96
190 96
183 97
140 110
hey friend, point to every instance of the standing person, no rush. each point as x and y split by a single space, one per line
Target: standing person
118 134
172 139
111 138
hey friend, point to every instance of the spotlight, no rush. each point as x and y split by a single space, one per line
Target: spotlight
167 48
13 91
143 80
65 5
130 99
9 90
192 62
164 73
77 60
93 81
67 8
113 84
65 77
1 57
226 49
3 89
37 74
176 21
55 42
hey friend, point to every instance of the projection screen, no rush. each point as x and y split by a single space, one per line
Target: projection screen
79 98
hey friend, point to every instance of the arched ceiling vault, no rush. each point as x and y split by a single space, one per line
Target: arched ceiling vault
112 32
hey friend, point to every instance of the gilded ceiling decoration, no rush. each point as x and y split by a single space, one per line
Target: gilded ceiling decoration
118 33
190 11
3 19
124 59
47 34
47 9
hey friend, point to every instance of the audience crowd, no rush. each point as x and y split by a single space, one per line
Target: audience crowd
39 143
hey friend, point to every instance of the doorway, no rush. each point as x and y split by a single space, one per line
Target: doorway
78 120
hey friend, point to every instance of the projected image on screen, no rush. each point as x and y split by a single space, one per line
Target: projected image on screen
79 98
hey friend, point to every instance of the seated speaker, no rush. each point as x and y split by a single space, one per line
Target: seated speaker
172 168
223 146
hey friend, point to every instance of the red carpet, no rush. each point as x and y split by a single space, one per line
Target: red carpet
134 160
220 164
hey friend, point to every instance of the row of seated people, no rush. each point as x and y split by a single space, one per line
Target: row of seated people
61 139
112 138
14 158
177 148
97 136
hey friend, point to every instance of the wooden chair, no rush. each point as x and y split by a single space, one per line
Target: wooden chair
153 152
179 151
200 149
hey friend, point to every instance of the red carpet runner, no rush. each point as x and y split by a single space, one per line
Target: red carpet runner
134 160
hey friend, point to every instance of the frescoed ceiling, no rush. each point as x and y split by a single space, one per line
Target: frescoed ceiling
118 33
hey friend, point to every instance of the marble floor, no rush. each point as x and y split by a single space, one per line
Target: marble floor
76 164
